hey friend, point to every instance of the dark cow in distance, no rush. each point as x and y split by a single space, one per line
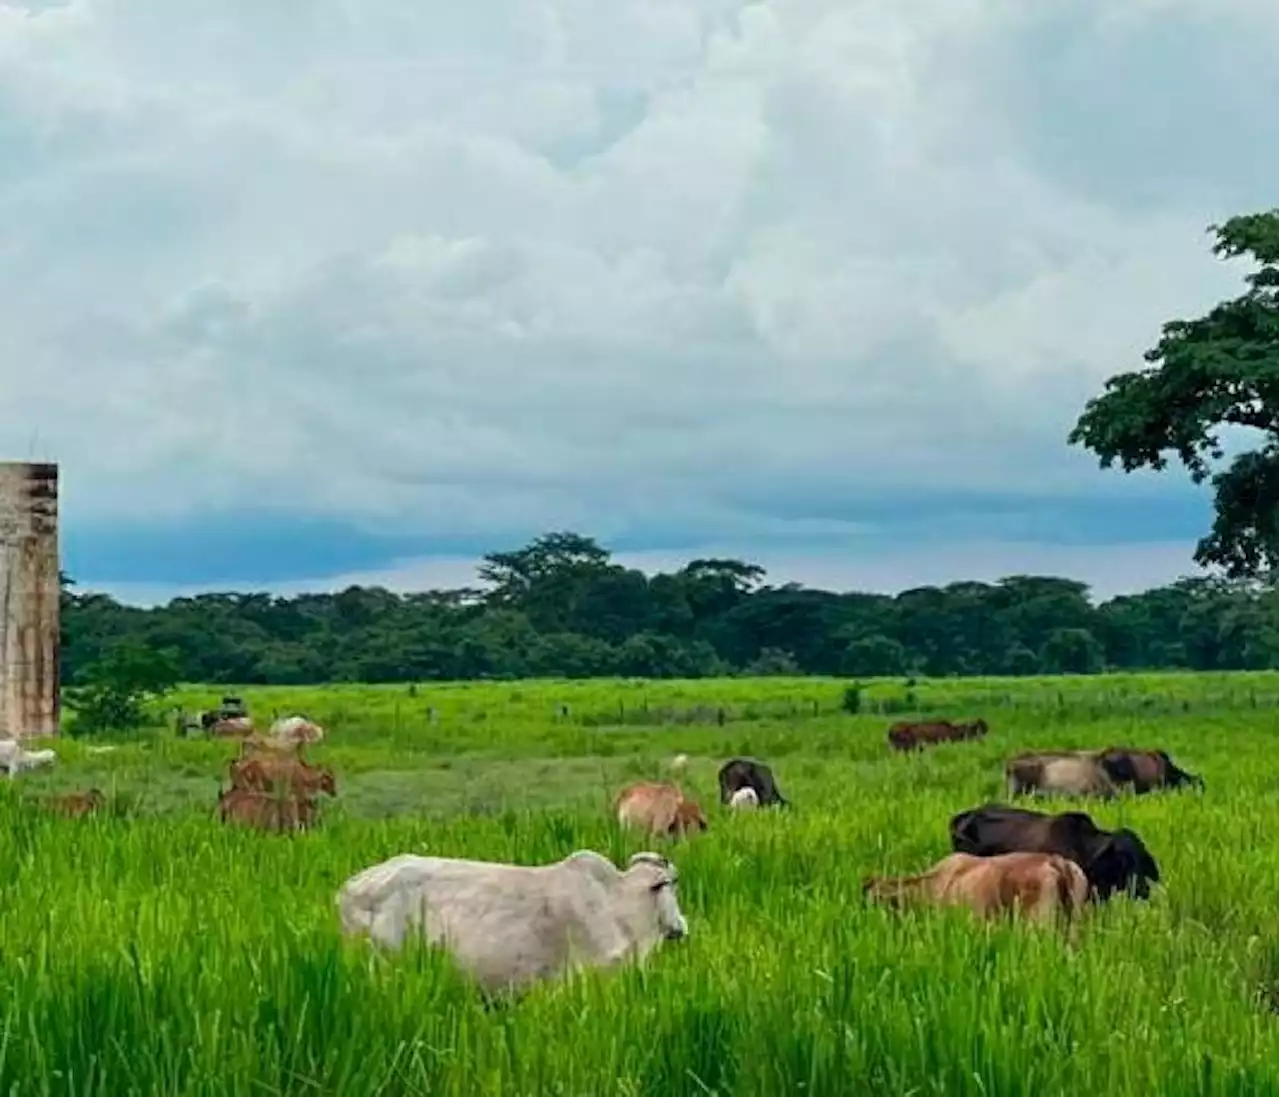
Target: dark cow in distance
1113 861
1144 770
740 773
909 736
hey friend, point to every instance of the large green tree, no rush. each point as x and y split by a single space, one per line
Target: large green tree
1208 375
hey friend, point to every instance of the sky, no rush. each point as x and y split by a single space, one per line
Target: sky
312 292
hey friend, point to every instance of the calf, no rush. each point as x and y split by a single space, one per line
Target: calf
1112 861
76 804
1144 770
264 773
266 810
740 773
1041 887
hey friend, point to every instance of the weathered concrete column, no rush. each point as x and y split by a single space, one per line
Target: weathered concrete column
29 598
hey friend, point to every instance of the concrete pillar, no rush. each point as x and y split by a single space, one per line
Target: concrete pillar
29 599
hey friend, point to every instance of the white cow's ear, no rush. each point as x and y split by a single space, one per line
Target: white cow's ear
647 858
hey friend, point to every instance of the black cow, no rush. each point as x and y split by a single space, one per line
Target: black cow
747 773
1113 861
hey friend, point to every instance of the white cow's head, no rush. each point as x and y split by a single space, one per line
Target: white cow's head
657 877
745 797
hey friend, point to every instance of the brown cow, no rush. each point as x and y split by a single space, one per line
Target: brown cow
1041 887
1144 770
266 810
76 804
914 736
265 773
659 807
1066 773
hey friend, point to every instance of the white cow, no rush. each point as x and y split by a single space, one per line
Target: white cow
296 730
744 799
15 758
509 925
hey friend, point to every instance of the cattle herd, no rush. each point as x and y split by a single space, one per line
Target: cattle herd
1044 867
511 925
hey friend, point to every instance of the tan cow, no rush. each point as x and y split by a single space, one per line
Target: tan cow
1041 887
660 808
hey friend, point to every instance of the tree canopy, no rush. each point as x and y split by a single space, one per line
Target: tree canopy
562 607
1214 373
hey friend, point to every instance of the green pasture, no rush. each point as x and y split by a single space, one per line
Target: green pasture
154 952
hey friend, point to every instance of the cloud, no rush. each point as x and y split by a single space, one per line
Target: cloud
450 275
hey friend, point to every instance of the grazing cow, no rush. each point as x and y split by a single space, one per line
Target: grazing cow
15 758
1112 861
266 810
232 727
264 773
1145 770
745 799
510 925
909 736
1038 886
76 804
689 816
1068 774
748 773
660 808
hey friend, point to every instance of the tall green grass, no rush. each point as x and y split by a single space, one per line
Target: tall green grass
164 954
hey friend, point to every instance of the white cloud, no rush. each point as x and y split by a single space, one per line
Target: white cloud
478 267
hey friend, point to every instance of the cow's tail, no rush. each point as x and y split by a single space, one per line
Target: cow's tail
1072 894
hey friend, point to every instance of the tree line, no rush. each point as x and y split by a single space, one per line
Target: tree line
1207 397
562 607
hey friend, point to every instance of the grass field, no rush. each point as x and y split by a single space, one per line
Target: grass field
161 954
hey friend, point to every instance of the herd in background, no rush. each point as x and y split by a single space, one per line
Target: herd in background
1044 867
509 925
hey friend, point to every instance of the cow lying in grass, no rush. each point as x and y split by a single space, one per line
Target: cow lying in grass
510 925
1112 861
1040 887
76 804
660 808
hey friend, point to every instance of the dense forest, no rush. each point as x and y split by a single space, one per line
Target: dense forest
561 607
